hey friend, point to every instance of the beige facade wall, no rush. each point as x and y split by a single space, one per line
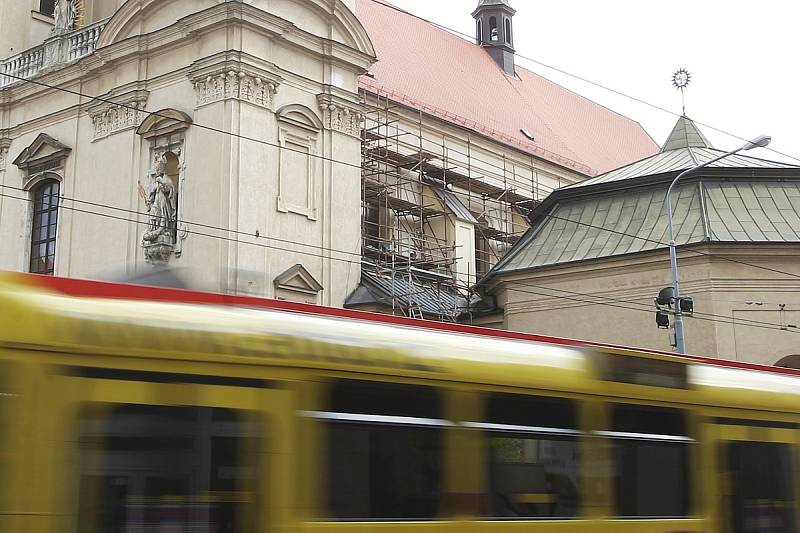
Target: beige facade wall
742 312
272 74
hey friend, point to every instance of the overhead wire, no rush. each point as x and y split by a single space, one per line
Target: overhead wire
610 303
333 160
582 79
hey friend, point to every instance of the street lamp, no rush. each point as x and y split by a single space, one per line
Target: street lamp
680 340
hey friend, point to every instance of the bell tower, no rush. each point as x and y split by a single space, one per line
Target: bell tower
495 31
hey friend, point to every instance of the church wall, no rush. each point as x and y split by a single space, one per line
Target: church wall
228 183
561 301
16 26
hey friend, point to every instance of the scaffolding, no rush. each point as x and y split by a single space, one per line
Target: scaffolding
413 183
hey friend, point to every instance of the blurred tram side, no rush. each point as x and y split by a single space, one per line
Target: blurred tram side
127 409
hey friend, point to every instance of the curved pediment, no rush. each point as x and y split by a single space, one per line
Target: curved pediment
300 116
163 123
324 18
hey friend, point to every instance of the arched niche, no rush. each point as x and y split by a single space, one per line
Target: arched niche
161 190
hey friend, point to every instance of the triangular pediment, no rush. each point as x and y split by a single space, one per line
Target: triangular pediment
42 150
298 279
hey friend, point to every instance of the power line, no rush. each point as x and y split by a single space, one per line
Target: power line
720 320
347 252
724 320
645 307
198 233
195 124
581 78
646 239
268 143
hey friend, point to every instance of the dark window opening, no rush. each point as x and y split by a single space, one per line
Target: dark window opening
651 462
156 468
508 31
479 31
385 452
43 230
533 457
47 7
483 255
372 224
643 371
494 32
761 491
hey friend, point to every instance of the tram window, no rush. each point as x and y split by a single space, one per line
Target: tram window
158 468
385 451
533 457
651 456
761 492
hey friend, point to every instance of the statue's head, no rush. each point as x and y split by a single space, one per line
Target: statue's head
161 165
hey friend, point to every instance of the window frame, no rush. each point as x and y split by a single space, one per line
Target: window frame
614 437
383 422
38 194
51 5
541 433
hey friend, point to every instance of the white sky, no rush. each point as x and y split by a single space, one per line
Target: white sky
741 56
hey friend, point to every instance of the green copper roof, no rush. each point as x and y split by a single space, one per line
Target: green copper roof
635 221
685 135
740 199
686 147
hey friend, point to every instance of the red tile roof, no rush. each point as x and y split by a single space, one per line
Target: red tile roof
444 75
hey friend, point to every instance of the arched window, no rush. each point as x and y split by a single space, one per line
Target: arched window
480 31
43 230
508 31
493 30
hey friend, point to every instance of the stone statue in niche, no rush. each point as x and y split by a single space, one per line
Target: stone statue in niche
161 199
65 14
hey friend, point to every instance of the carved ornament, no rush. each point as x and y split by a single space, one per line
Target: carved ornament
235 85
341 115
111 118
4 146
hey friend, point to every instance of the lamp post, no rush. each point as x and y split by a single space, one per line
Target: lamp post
680 340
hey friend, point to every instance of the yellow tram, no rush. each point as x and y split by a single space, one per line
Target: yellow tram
128 409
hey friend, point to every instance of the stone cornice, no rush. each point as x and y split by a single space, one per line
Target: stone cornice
118 111
228 77
340 114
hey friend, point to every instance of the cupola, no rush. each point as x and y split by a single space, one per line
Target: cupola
495 31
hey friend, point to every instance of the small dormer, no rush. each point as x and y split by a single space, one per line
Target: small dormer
495 31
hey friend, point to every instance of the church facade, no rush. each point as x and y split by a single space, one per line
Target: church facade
229 140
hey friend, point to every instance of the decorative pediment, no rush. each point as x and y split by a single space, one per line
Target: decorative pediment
164 123
298 279
44 153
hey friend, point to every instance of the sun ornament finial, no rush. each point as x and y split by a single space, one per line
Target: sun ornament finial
681 79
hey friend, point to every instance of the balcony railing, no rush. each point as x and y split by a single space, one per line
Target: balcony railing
56 50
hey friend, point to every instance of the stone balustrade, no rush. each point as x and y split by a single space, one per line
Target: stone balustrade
56 50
